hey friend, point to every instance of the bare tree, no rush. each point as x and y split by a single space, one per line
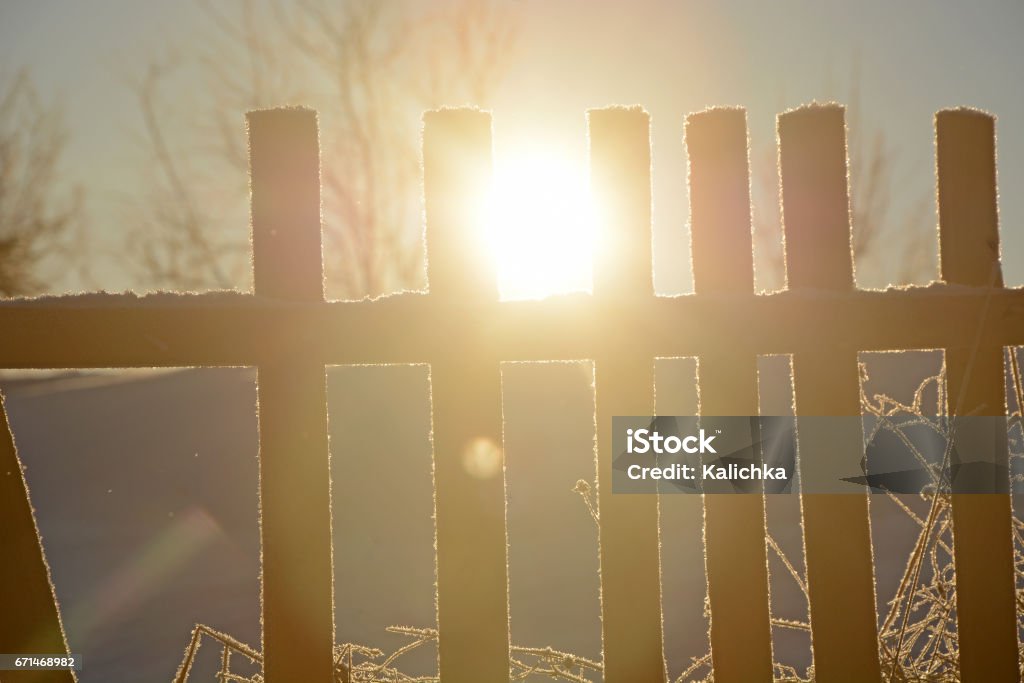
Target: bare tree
38 213
879 224
369 67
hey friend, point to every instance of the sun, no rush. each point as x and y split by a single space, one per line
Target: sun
540 226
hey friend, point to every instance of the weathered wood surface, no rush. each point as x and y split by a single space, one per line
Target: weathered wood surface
460 328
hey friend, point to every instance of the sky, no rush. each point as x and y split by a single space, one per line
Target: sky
906 59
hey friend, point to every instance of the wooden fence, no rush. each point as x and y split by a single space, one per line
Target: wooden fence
290 333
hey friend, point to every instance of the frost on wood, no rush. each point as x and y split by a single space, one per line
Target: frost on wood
290 332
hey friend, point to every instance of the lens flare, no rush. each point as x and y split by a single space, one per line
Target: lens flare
482 458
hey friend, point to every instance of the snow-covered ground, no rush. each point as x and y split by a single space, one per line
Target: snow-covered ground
145 486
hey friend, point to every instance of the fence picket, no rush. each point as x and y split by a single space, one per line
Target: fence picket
734 526
25 588
837 535
295 485
969 255
472 583
624 382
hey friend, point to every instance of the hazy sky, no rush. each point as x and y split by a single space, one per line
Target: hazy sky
673 57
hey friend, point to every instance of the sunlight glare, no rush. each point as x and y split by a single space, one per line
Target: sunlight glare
540 227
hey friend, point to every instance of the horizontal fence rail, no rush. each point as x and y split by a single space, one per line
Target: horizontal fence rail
229 329
290 333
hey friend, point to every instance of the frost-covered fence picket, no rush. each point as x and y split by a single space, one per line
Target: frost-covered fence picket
290 333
